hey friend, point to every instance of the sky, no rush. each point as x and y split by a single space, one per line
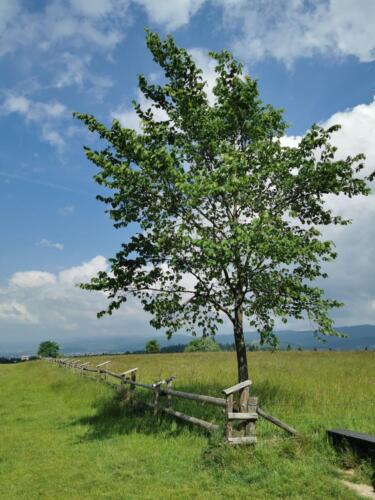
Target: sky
315 59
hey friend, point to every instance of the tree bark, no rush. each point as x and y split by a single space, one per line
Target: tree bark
239 340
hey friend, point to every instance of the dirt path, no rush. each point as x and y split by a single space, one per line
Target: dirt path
364 490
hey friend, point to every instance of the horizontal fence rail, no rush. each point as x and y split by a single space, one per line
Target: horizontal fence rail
240 409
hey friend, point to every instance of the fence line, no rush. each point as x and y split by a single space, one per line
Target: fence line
241 410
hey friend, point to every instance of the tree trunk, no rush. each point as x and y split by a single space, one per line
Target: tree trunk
240 344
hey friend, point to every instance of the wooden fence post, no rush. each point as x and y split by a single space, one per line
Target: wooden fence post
251 408
104 371
126 377
133 378
169 386
246 416
156 387
228 421
83 366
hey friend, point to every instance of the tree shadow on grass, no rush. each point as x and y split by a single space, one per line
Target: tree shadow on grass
116 416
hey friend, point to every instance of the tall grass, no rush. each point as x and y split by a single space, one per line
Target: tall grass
65 436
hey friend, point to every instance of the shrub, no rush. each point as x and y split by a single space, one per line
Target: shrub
152 346
203 344
48 349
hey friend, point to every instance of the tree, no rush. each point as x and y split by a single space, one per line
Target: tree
203 344
226 217
152 346
48 349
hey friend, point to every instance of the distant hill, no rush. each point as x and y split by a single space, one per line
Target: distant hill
359 337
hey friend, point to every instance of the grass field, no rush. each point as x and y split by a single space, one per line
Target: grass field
66 436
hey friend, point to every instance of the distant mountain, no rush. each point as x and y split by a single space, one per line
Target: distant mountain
359 337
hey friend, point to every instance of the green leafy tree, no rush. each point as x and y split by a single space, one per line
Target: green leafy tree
216 200
48 349
152 346
203 344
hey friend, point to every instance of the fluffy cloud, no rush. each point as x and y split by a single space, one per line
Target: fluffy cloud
129 118
13 312
352 275
171 14
40 302
98 23
76 72
47 115
207 65
84 272
32 110
289 29
357 132
32 279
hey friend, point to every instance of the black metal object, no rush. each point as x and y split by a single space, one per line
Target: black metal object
361 443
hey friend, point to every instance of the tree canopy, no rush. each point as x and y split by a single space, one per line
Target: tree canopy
203 344
226 218
48 349
152 346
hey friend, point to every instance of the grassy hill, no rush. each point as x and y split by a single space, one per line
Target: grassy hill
66 436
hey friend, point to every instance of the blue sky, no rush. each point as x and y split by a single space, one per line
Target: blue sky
314 59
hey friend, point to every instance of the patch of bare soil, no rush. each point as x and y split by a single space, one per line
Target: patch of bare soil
364 490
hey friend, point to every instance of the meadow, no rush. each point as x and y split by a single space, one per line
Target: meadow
68 436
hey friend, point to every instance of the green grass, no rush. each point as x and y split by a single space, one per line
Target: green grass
66 436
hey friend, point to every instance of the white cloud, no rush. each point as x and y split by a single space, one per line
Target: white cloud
76 72
129 118
290 29
57 41
207 65
32 279
38 301
352 276
15 312
50 244
53 137
32 110
357 132
46 114
84 272
171 14
77 23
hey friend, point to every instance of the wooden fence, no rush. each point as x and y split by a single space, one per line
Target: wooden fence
240 409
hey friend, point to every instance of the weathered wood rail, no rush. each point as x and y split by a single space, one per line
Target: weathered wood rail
241 410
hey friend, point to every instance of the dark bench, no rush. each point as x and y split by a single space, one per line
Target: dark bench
362 443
